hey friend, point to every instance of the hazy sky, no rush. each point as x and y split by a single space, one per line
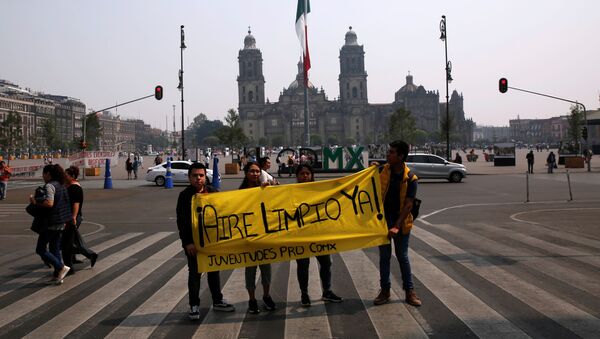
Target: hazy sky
103 52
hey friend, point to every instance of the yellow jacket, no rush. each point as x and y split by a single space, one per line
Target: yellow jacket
384 178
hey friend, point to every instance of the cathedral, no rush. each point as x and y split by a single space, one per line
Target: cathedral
348 120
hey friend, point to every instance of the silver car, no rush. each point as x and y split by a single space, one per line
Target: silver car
179 172
429 166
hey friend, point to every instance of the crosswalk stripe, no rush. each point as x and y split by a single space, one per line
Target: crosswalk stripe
227 324
545 265
44 295
477 315
365 277
35 275
302 322
581 256
567 315
70 319
146 318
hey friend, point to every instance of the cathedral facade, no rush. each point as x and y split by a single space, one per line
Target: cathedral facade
348 120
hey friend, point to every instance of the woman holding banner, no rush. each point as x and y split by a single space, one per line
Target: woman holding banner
305 173
252 179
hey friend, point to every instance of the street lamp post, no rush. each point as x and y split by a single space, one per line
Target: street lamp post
180 87
448 64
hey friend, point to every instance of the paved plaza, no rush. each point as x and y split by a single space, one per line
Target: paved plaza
485 263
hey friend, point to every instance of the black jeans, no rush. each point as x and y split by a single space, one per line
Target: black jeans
66 245
324 272
214 283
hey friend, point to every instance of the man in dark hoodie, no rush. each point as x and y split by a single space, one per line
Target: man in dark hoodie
197 178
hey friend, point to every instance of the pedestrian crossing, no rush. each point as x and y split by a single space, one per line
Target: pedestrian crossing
475 279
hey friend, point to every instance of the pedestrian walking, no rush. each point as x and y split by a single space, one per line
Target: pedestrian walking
197 180
551 162
128 167
398 190
530 160
135 166
251 179
57 211
5 174
72 241
305 173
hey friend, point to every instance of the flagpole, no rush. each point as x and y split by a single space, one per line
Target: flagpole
306 112
306 126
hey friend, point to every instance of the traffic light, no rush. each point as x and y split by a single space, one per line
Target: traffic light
584 133
158 92
503 85
82 144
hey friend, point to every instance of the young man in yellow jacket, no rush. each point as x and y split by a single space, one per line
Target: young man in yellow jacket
399 189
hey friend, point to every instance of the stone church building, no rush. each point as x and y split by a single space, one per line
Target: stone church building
348 120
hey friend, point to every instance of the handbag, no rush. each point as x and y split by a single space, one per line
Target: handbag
38 225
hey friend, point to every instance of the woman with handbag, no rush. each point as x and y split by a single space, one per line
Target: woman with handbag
72 242
57 204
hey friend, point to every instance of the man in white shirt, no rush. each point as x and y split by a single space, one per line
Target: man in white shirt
265 177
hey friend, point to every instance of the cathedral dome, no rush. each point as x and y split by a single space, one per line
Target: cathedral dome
249 41
351 37
409 87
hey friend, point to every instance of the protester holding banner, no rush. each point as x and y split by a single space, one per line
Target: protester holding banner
398 189
305 173
197 179
265 177
252 179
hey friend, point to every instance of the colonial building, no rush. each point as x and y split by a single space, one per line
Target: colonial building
347 120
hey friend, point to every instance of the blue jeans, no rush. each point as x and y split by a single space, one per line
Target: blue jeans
3 189
385 254
52 238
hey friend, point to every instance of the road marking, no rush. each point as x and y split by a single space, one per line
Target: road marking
64 323
545 264
484 321
44 295
146 318
33 276
567 315
227 324
303 322
365 278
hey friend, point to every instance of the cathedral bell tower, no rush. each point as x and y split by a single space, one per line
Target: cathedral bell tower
251 89
251 82
353 78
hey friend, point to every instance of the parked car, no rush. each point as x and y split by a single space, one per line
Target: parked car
179 172
429 166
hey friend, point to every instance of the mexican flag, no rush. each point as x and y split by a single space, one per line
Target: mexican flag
302 31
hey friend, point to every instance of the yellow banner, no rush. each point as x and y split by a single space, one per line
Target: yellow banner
279 223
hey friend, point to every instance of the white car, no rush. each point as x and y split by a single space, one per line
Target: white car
429 166
179 172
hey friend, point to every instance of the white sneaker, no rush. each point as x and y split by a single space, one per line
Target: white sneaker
62 273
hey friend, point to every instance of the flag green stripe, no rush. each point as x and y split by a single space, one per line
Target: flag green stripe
300 9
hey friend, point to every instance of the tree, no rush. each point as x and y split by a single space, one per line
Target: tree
315 140
277 140
93 131
49 134
11 130
402 126
202 128
232 134
575 121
